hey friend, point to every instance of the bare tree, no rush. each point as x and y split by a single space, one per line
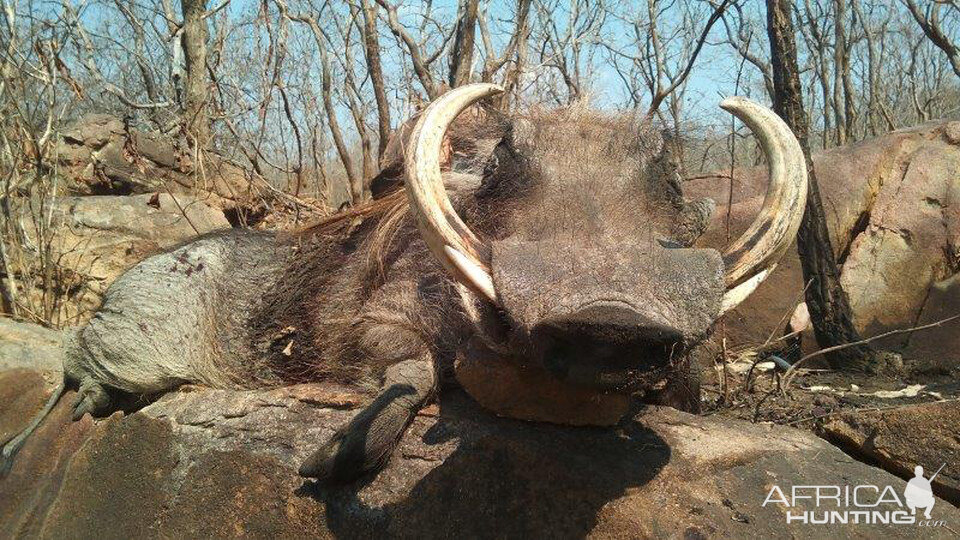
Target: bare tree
742 42
665 82
461 56
826 300
355 102
194 43
354 178
371 47
929 21
515 51
842 85
565 48
419 59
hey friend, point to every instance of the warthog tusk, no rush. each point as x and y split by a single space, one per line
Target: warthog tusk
477 276
450 240
751 258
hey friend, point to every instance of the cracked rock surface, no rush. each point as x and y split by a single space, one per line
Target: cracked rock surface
893 210
201 463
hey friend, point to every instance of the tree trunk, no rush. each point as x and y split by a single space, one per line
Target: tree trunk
194 43
826 300
511 81
371 46
838 61
461 57
354 179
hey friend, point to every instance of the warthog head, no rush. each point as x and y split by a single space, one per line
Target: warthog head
575 249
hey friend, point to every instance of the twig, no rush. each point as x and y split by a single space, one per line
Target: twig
788 376
861 409
182 211
708 176
796 303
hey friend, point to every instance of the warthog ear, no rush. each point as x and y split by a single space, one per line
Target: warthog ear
466 147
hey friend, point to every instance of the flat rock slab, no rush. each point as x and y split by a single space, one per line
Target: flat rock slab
901 438
25 345
215 463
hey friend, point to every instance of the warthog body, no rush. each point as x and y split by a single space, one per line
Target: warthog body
573 254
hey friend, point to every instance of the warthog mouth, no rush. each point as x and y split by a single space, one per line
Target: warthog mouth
607 345
632 368
606 357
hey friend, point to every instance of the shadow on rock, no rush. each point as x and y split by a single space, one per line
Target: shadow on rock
501 478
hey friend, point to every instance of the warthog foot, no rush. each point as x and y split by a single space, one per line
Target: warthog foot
91 398
366 443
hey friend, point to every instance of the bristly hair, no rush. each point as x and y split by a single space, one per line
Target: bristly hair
387 216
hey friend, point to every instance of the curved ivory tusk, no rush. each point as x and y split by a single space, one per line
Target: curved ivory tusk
477 276
751 257
460 252
739 293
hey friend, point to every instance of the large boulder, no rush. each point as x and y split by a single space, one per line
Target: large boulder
203 463
102 156
29 346
893 211
96 238
901 438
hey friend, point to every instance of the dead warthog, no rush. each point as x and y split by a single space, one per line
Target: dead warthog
566 247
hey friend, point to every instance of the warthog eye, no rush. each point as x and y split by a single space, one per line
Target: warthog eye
501 154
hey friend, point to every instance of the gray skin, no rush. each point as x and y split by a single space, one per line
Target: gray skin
589 241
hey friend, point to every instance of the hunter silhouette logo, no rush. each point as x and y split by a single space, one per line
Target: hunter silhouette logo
858 504
919 492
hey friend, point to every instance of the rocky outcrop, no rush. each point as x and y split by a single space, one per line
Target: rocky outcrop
203 463
102 156
898 439
24 345
94 239
893 210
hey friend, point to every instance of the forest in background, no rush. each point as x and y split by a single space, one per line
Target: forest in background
302 95
305 92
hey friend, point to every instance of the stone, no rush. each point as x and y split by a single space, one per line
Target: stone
101 156
901 438
528 392
97 238
30 346
894 221
217 463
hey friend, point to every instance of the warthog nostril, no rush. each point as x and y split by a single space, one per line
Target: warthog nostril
605 337
613 324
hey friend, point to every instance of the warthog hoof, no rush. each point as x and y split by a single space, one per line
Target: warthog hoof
91 398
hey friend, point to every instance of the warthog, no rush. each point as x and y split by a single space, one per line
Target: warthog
567 246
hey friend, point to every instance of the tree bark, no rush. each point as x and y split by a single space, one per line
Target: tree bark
194 42
518 46
461 57
371 46
931 28
826 300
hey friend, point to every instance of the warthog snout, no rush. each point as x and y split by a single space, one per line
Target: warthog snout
592 343
612 309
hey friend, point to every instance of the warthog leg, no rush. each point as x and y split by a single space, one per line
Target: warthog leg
367 442
92 398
